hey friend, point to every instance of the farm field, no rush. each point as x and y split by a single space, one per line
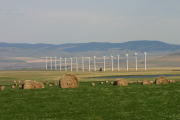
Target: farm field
100 102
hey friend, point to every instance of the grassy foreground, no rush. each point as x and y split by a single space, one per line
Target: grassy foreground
101 102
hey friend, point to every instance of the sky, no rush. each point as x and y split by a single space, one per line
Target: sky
82 21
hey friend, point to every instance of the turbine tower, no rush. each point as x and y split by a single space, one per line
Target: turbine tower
112 62
127 61
46 62
89 64
118 61
82 63
135 54
65 64
71 63
60 64
145 60
55 63
94 63
76 64
104 57
51 62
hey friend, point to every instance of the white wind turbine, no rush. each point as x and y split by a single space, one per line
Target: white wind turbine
112 62
127 61
60 64
65 64
51 62
71 63
135 54
46 62
55 63
94 63
145 60
82 58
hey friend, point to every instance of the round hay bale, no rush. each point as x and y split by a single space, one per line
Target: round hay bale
47 83
161 80
111 82
171 81
146 82
39 85
139 81
55 83
130 82
28 84
106 82
2 87
120 82
101 82
14 81
13 86
68 81
151 81
19 81
50 85
20 86
92 84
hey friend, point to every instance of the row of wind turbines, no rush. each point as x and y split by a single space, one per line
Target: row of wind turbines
94 58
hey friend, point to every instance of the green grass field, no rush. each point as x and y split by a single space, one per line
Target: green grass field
101 102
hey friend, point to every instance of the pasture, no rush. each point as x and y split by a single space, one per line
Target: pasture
100 102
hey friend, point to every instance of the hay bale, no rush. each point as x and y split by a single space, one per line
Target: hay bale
68 81
39 85
19 81
146 82
151 81
14 81
50 85
161 80
101 82
120 82
92 84
171 81
106 82
20 86
28 84
139 81
2 87
111 82
13 86
130 82
47 83
55 83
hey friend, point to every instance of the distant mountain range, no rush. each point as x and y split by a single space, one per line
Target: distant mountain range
139 46
22 55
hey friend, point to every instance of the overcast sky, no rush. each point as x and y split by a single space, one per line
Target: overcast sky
81 21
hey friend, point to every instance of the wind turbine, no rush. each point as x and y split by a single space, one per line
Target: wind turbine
60 63
82 58
71 63
94 63
112 62
145 60
127 61
51 62
46 62
65 64
135 54
55 63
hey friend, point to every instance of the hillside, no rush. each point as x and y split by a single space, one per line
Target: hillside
18 56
